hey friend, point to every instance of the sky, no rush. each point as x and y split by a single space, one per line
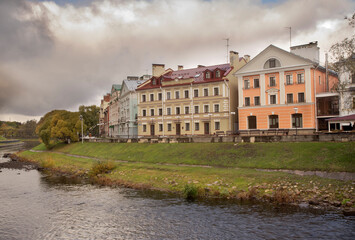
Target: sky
62 54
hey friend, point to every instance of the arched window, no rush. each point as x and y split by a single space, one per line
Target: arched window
272 63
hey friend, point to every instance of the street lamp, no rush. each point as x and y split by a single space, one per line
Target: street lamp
296 111
82 129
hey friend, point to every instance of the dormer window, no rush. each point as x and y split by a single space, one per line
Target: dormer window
208 75
272 63
218 74
154 82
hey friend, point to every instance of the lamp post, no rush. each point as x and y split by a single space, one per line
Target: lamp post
296 111
82 129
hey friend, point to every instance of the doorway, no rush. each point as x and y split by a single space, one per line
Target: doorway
152 130
178 129
207 128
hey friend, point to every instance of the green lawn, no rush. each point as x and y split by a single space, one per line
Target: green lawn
2 138
326 156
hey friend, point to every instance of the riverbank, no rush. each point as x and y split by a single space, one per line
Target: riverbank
225 177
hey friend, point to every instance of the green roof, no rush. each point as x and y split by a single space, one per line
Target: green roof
117 87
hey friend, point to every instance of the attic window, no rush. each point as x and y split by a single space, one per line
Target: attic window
154 82
208 75
272 63
218 74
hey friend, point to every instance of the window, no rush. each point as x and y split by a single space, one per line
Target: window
169 127
160 111
196 109
216 108
297 120
273 121
168 95
144 112
256 83
289 80
300 78
151 97
216 91
168 111
160 127
301 97
206 108
218 74
272 63
251 122
208 75
289 98
217 126
144 128
187 110
177 110
187 126
256 101
197 126
353 102
353 78
177 94
151 112
320 82
247 101
246 84
205 92
154 81
195 92
144 98
272 99
186 92
160 96
272 81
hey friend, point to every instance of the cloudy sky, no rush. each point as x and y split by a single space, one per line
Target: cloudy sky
64 53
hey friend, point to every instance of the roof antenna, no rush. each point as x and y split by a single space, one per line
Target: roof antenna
227 39
290 35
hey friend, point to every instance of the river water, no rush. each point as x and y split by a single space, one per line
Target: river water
37 206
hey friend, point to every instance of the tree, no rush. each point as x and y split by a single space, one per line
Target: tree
91 117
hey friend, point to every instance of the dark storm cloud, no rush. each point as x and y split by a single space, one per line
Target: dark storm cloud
61 56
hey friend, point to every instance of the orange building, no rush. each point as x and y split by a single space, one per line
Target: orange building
278 90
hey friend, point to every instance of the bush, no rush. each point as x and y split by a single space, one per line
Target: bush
47 163
101 167
190 192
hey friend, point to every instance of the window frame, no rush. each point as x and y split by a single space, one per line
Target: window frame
204 108
205 92
195 92
257 97
256 80
289 96
197 126
247 101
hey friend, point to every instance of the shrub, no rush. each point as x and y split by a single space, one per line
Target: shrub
47 163
101 167
190 192
282 196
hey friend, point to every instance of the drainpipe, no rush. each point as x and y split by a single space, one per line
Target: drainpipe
229 110
162 110
192 111
315 96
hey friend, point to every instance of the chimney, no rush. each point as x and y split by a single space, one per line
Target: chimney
247 58
158 69
200 66
180 67
233 58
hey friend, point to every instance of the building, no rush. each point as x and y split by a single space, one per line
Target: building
113 110
193 101
128 107
278 90
104 116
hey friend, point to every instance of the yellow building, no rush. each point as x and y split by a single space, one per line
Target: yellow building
189 102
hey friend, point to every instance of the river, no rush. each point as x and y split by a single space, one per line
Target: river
37 206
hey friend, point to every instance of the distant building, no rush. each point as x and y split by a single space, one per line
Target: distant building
280 90
104 116
196 101
128 108
113 110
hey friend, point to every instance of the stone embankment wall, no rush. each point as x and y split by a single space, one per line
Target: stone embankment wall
333 137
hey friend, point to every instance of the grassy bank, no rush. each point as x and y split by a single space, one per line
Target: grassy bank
301 156
238 183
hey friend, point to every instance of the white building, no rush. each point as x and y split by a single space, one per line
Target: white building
114 109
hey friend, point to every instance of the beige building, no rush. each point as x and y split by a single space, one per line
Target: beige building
189 102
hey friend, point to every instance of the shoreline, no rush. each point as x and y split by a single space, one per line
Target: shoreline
276 194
